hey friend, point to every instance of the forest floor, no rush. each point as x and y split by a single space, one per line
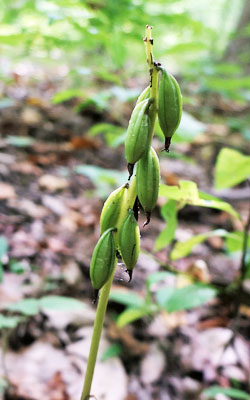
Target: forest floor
49 215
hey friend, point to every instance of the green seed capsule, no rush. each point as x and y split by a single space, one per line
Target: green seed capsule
147 181
144 95
103 260
129 241
137 134
112 208
169 106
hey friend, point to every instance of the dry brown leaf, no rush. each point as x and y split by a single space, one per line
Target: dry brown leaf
152 365
6 191
26 167
132 345
53 183
31 116
84 143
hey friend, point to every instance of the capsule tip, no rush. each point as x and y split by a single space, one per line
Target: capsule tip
95 296
148 215
130 170
130 274
167 144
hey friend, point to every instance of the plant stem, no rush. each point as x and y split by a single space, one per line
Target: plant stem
99 319
243 267
153 71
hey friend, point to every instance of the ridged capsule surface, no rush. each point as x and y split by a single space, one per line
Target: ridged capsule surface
112 208
137 134
129 241
147 181
169 106
145 94
103 260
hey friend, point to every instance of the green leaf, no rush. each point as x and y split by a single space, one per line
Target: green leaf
234 241
9 322
209 201
234 393
112 351
187 193
182 249
189 297
65 95
60 303
114 134
16 267
169 213
3 246
163 295
25 307
157 277
20 141
131 315
126 298
231 168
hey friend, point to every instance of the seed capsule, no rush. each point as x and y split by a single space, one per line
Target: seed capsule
169 106
136 140
112 208
129 242
103 260
145 94
147 181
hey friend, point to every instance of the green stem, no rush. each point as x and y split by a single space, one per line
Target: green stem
99 319
153 71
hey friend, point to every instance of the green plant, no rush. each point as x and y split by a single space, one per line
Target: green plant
145 185
168 297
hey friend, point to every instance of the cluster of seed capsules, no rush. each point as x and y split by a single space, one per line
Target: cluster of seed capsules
120 233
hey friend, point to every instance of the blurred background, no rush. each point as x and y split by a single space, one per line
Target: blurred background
71 71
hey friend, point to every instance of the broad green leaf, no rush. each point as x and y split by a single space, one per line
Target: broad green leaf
60 303
25 307
189 297
16 267
231 168
114 134
163 294
209 201
169 213
157 277
234 241
20 141
234 393
3 246
182 249
131 315
112 351
9 322
68 94
188 193
127 298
